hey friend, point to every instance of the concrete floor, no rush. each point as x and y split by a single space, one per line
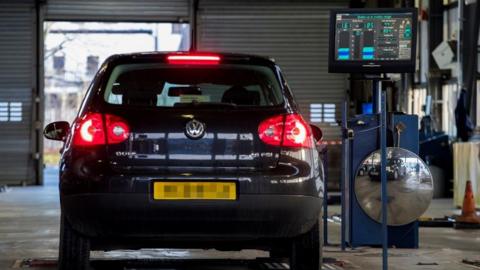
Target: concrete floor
29 218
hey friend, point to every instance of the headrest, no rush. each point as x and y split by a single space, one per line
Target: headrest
136 81
184 90
240 96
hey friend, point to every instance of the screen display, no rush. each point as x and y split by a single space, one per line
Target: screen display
373 36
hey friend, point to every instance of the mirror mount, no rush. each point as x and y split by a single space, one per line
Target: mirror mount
57 131
318 136
316 132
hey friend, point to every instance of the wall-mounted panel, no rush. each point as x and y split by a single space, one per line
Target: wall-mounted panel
17 81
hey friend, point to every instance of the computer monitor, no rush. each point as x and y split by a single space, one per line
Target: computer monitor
372 40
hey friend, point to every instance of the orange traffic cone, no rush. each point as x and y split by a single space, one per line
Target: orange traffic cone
468 210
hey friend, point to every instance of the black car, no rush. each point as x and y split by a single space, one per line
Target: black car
395 168
189 150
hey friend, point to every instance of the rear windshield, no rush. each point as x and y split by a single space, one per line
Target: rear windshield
163 85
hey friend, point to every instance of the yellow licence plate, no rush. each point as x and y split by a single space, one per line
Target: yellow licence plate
194 191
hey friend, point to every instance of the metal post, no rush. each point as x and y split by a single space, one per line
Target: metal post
376 98
383 173
459 45
193 24
38 92
345 173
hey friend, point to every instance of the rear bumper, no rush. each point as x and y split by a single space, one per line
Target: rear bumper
137 216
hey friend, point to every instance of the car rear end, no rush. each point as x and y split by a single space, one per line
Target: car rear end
190 150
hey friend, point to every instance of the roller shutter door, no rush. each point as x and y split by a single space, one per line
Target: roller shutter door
117 10
295 34
17 80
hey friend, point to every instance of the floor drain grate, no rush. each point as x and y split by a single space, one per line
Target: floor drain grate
260 264
279 266
329 266
274 266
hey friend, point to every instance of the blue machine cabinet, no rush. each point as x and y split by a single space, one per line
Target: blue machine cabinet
361 230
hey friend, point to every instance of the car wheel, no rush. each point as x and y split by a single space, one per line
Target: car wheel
305 253
74 250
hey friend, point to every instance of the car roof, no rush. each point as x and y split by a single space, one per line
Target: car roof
229 57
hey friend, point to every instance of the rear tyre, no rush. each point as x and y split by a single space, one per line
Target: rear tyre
305 253
74 250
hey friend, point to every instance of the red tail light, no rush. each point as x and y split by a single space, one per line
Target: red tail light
117 129
90 130
271 130
193 59
289 130
297 132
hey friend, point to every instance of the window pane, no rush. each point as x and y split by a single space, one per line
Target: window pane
162 85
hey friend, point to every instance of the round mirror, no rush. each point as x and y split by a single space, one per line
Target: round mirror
410 186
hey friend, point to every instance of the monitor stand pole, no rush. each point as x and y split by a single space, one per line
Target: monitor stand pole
380 108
